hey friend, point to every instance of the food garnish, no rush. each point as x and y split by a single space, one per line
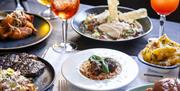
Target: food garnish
17 25
113 10
100 61
11 80
100 68
163 51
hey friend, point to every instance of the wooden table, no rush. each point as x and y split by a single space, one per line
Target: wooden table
172 29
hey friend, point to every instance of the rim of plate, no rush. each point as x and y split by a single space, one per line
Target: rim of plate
130 79
150 84
37 42
121 40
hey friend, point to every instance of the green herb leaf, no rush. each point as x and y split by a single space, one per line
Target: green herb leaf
105 67
95 58
100 60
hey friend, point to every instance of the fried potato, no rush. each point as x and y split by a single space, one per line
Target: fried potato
163 52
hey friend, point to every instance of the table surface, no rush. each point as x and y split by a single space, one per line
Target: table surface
172 29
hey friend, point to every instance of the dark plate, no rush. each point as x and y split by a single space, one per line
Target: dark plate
44 30
77 20
46 79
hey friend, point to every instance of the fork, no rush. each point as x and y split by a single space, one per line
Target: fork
19 7
63 85
178 76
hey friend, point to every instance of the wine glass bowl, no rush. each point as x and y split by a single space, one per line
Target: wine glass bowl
164 7
64 9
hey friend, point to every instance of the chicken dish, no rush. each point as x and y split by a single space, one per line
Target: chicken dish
113 24
100 68
16 25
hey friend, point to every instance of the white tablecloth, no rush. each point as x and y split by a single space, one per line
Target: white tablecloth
57 59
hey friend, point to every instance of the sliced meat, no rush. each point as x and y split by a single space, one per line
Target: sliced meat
111 29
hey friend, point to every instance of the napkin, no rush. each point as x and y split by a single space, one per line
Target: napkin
57 59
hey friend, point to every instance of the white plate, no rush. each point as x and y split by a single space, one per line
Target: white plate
70 70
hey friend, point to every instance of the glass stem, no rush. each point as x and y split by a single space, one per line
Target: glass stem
49 9
162 22
64 31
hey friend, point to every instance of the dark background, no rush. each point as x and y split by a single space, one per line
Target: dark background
135 4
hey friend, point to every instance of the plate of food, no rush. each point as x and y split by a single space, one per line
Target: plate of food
161 55
100 69
25 72
19 29
165 84
112 23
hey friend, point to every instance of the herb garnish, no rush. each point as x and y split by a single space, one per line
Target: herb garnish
101 62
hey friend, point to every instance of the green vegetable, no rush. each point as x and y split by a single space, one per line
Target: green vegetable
10 71
95 58
13 85
96 34
105 67
100 61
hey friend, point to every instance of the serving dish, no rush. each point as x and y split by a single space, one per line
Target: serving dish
70 70
43 27
161 55
141 88
80 17
45 80
157 68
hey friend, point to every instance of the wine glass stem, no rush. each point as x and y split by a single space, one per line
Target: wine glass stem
49 9
64 31
162 22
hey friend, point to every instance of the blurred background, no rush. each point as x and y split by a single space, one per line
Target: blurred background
135 4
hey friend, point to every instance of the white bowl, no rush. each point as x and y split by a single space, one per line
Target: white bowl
157 68
70 70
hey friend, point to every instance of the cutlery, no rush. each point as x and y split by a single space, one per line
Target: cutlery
178 76
19 7
26 5
63 85
44 53
153 75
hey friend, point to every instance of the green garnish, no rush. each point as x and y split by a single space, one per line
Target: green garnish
96 34
100 61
